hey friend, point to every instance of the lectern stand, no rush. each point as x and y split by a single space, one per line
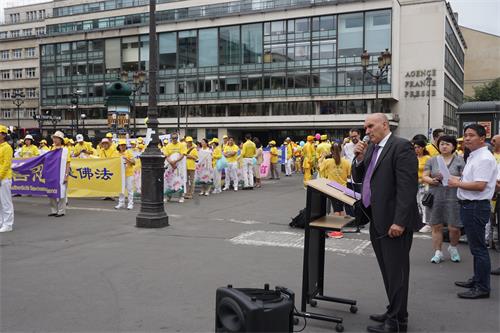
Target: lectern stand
317 224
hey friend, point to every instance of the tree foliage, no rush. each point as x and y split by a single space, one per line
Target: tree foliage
488 92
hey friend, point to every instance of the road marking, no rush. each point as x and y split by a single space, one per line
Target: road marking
288 239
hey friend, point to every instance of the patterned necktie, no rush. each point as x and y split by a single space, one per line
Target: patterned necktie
367 191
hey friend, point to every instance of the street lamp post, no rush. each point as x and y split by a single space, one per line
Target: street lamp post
429 82
152 214
18 100
138 80
384 62
178 113
83 116
75 99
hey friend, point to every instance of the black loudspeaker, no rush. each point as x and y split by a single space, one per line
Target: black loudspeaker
254 310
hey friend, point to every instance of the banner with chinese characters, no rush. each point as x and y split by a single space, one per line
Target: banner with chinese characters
266 164
91 177
38 176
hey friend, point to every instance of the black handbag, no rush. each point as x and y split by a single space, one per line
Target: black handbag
428 199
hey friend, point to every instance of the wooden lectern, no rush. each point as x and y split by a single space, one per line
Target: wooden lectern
317 224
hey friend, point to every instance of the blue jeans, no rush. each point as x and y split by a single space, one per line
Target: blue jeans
475 215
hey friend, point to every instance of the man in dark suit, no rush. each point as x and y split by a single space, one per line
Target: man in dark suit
388 169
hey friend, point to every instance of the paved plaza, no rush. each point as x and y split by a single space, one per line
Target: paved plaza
93 271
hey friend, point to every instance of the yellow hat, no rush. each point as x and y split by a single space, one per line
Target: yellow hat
285 143
140 139
122 142
188 139
214 140
165 141
460 139
71 141
310 138
43 141
3 129
324 137
272 142
225 137
133 142
109 135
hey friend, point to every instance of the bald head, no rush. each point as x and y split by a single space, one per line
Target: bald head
496 143
377 127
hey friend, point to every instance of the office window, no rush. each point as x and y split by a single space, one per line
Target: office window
350 39
377 31
130 53
229 45
27 32
187 49
113 58
16 53
14 33
5 74
208 55
251 43
5 93
17 73
144 53
40 31
29 52
30 112
168 50
31 72
3 34
6 114
5 54
30 92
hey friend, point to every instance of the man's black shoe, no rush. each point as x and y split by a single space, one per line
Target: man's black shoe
59 215
474 294
467 284
53 214
379 317
496 271
386 328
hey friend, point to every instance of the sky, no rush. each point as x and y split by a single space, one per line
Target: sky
482 15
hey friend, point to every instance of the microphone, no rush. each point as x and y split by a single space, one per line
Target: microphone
366 139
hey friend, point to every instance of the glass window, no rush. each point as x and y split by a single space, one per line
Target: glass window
230 45
187 49
130 53
168 50
327 49
327 77
301 25
96 45
350 37
144 53
277 27
377 31
251 44
327 23
113 58
208 48
16 53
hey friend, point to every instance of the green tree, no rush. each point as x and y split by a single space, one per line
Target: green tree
488 92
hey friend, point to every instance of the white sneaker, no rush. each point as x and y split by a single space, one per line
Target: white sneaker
454 255
236 189
119 206
438 257
425 229
130 207
207 194
181 200
6 228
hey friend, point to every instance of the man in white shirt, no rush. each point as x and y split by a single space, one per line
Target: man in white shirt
475 190
348 149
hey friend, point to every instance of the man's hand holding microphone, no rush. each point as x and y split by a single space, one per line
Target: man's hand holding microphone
360 149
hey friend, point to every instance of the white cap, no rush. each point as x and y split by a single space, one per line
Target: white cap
105 140
28 137
79 138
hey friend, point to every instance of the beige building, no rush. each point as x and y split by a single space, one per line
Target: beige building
482 59
20 36
276 68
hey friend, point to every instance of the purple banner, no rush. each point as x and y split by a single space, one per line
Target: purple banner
38 176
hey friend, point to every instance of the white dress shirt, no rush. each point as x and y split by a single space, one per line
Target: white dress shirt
382 144
480 167
349 151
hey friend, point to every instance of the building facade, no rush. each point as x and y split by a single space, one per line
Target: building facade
276 68
481 59
20 36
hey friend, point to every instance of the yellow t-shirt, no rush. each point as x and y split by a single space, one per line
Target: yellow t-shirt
216 155
233 148
190 163
129 167
77 149
309 155
421 164
172 148
432 150
338 173
274 155
289 151
5 161
108 153
249 149
29 151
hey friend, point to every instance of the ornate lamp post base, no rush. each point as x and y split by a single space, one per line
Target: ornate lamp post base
152 214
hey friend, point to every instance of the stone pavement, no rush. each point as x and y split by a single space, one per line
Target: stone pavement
93 271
